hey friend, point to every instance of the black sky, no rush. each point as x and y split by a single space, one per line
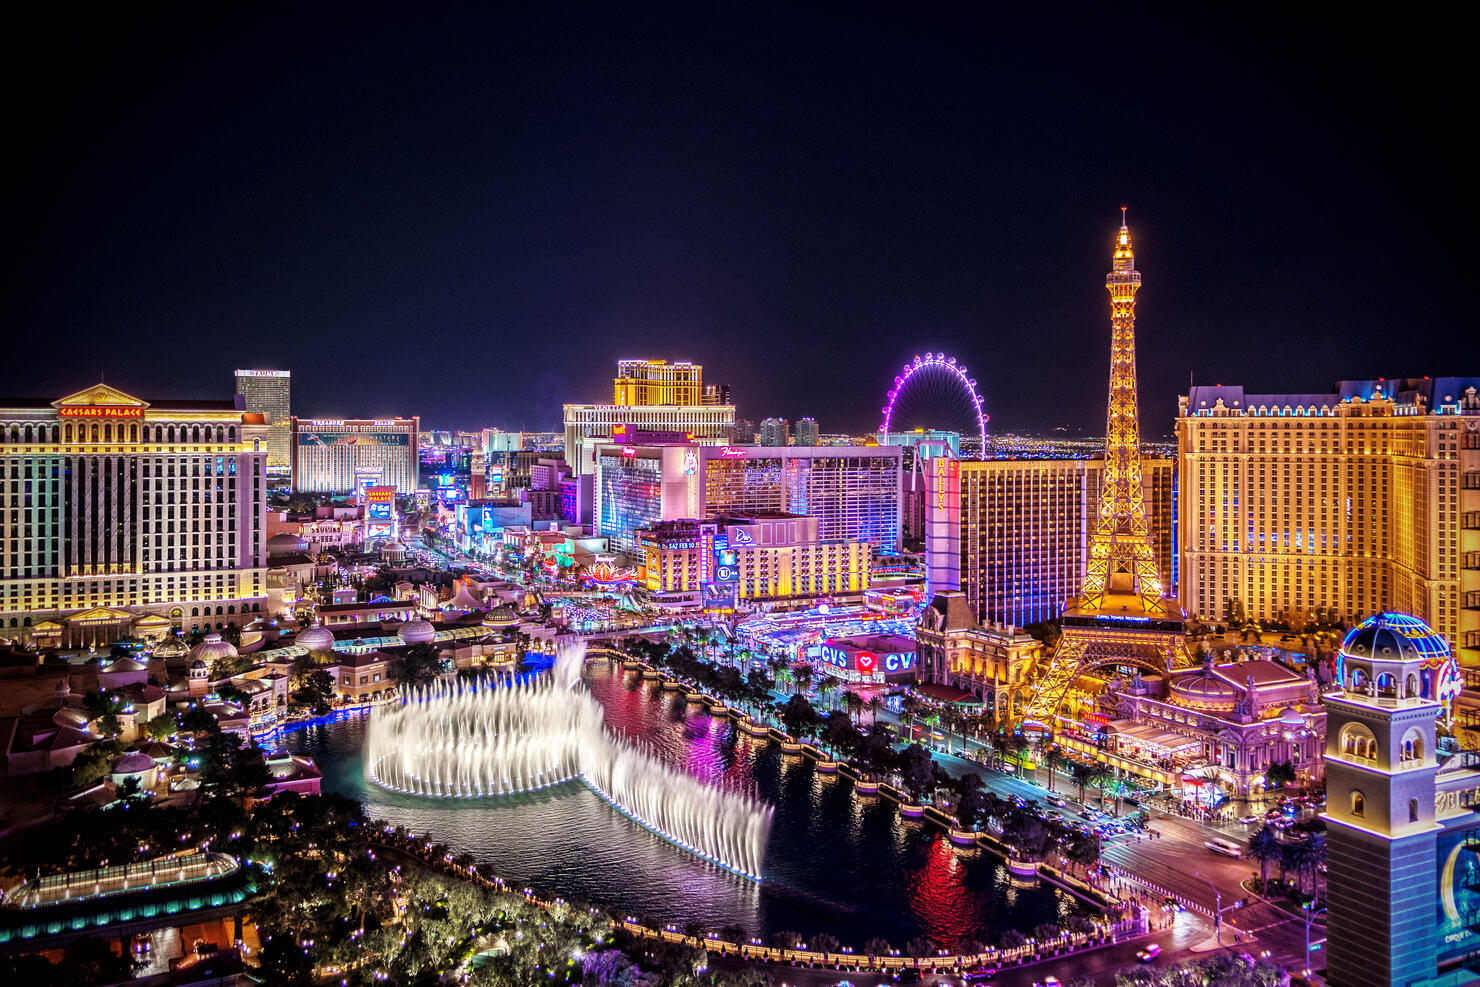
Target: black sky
470 213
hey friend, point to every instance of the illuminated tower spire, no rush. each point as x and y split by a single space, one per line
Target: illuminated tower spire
1121 560
1120 617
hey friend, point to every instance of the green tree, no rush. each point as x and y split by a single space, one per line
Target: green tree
917 772
419 665
315 691
878 946
105 707
876 705
1279 774
798 716
162 727
853 703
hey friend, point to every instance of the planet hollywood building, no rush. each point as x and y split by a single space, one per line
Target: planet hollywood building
126 516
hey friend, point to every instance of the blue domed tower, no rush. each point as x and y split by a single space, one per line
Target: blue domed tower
1380 770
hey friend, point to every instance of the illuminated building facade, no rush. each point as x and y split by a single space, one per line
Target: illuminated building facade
1014 535
1122 616
588 425
269 393
775 432
807 433
993 663
1401 830
338 455
717 394
1302 506
853 492
642 383
120 509
776 556
1226 723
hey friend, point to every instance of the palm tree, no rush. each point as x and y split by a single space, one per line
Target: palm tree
780 669
875 704
1265 847
1302 857
853 703
827 687
1086 774
1051 758
803 676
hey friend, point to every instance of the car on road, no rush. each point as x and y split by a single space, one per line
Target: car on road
909 976
1048 982
1249 820
979 974
1148 954
1054 800
1226 847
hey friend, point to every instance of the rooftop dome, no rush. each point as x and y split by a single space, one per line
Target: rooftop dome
171 647
315 638
1290 716
501 616
286 543
133 763
1203 690
417 632
1396 637
211 649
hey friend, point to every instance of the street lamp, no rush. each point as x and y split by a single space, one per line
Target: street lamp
1217 909
1310 916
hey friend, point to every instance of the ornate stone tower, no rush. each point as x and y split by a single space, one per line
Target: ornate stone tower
1380 769
1120 616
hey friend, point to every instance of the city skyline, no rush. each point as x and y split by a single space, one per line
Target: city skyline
801 224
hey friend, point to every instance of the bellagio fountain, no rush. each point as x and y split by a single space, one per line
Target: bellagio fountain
485 740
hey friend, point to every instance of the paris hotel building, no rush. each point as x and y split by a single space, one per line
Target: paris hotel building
122 513
1339 505
1012 535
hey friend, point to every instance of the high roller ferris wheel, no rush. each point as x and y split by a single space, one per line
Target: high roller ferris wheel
934 392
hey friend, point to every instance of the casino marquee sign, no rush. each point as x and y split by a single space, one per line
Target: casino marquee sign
100 401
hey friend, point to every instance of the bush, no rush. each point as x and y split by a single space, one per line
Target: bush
785 940
1012 939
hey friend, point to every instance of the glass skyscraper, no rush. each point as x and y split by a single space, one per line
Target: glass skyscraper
268 393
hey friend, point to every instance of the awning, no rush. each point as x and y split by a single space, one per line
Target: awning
947 694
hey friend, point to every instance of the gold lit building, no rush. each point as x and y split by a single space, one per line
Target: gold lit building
1014 538
1304 506
777 556
120 512
654 382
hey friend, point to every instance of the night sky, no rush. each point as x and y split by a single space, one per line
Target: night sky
470 214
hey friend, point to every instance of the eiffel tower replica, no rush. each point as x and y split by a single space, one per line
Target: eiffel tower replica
1122 616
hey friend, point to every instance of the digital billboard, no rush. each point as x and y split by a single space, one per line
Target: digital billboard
719 596
1458 872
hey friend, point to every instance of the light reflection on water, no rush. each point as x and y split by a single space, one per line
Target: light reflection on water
850 867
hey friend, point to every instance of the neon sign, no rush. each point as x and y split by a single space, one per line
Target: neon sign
100 411
743 537
690 463
729 452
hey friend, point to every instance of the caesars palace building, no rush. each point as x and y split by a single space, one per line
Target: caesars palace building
129 517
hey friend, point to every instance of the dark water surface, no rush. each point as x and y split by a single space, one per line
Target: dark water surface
850 867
